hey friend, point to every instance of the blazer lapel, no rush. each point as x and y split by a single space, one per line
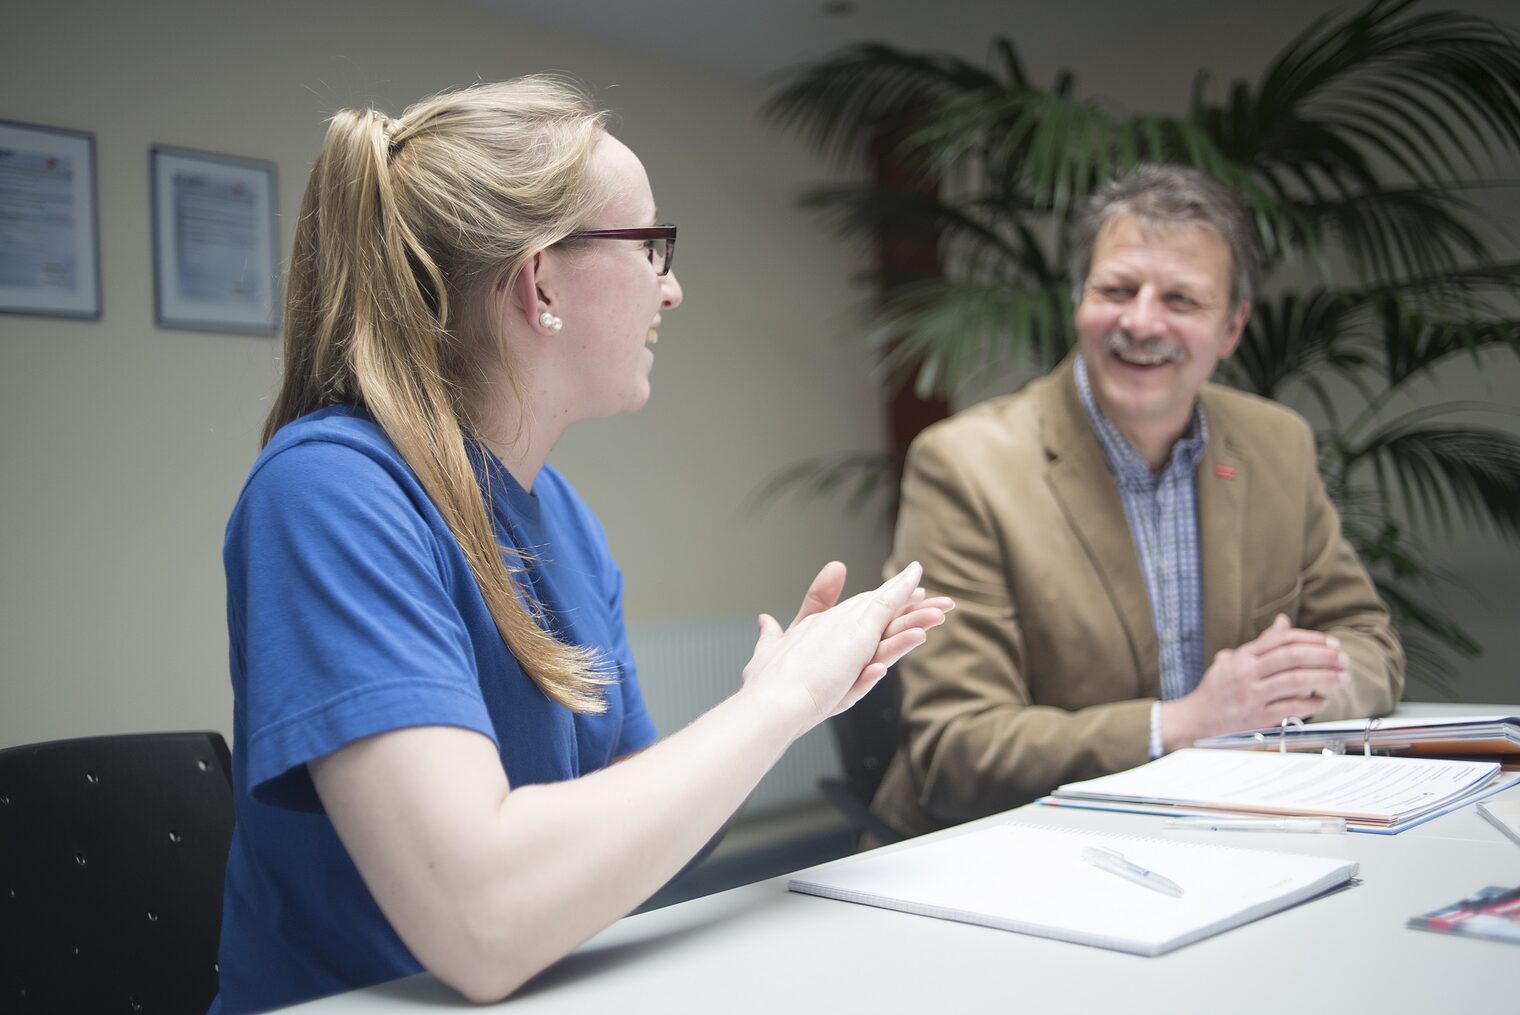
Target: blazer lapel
1222 489
1084 486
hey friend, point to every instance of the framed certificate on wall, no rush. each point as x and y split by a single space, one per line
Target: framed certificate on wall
49 226
214 242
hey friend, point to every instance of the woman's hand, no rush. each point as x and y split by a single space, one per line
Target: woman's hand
833 652
487 884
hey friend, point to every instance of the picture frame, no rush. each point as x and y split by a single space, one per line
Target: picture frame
49 222
215 242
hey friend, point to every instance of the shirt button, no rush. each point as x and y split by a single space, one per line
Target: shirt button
1168 637
1164 567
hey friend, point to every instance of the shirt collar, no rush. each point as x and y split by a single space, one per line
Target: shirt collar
1122 457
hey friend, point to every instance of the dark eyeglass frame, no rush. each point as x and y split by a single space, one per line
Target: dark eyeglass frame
664 231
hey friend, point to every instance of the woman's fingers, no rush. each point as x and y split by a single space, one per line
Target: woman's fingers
823 592
838 650
919 619
893 594
898 645
924 614
869 678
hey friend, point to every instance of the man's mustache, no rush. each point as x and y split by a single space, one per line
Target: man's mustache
1154 350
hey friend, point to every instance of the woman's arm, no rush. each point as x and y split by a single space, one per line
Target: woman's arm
487 885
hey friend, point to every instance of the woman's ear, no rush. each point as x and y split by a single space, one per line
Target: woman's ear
531 303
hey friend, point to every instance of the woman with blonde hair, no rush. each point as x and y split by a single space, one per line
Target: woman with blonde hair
436 714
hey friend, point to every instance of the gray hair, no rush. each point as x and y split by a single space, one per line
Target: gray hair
1172 195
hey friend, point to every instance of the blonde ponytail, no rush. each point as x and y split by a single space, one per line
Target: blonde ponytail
404 224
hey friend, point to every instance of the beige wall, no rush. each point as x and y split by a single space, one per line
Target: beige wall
125 445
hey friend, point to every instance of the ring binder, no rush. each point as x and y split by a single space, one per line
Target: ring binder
1375 794
1282 732
1372 724
1457 736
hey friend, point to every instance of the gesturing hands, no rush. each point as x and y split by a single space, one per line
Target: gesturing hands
834 652
1283 672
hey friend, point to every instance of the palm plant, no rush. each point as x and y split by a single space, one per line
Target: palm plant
1360 152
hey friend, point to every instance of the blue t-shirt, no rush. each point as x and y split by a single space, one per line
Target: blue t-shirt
350 611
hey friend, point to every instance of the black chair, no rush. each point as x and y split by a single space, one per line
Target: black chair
866 737
112 852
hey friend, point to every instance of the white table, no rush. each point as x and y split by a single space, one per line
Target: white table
763 949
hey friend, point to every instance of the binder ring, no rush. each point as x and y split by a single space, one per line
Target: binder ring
1282 732
1372 724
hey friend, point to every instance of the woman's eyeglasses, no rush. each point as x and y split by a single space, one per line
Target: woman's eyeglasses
661 241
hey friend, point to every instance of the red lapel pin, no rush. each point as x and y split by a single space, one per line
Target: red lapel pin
1224 471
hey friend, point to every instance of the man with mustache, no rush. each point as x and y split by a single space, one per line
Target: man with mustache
1140 558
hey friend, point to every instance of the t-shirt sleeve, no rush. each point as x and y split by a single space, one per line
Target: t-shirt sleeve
347 625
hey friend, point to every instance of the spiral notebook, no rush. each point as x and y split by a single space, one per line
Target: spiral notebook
1033 880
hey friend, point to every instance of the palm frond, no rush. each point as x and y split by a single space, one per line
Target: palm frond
854 210
1429 637
1427 95
1406 583
945 334
1290 336
1384 548
1442 472
839 104
1406 84
1412 344
1482 291
1053 148
1398 231
863 476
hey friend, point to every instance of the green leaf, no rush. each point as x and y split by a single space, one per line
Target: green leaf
841 103
1446 471
945 335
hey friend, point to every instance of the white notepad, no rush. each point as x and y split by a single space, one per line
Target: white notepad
1031 879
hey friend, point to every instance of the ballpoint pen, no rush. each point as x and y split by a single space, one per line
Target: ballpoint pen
1206 824
1115 863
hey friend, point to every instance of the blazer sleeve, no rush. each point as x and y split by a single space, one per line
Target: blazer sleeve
975 741
1339 598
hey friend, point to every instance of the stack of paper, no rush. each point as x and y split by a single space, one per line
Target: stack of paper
1504 815
1372 794
1466 735
1033 880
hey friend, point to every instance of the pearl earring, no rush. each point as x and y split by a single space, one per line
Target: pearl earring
549 321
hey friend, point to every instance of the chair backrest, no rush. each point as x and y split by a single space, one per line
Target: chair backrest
112 854
867 737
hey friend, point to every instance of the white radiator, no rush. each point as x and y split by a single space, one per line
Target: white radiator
688 666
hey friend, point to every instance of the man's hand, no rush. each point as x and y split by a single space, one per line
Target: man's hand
1283 672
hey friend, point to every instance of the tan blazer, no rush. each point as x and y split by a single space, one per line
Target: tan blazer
1046 670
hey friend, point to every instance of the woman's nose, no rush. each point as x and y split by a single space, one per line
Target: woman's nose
670 290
